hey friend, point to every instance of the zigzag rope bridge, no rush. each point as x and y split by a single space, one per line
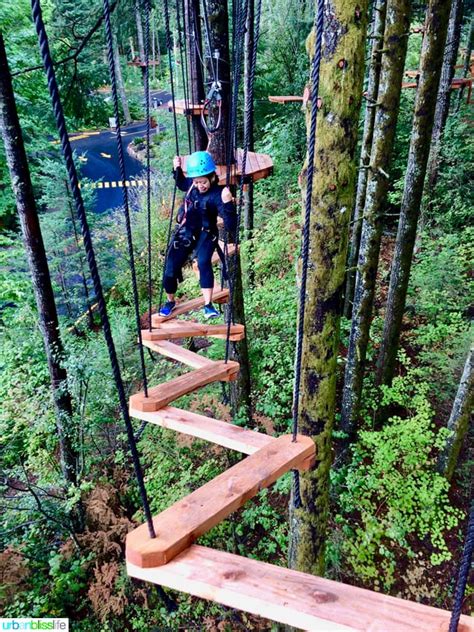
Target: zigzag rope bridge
172 559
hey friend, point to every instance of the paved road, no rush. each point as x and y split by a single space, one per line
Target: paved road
98 155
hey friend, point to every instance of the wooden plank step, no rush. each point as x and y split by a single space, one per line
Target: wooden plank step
290 597
218 296
181 524
207 428
285 99
186 329
175 352
230 252
162 395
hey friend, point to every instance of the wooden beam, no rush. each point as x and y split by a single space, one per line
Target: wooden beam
213 430
181 524
218 296
185 329
285 99
162 395
186 108
293 598
175 352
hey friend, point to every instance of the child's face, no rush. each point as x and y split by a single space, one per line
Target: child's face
202 184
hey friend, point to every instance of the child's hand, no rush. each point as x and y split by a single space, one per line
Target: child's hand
226 195
176 162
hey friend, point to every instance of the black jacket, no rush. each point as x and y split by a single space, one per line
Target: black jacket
204 208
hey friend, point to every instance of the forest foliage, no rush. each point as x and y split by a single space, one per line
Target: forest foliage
396 523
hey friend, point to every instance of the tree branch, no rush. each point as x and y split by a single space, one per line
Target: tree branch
78 50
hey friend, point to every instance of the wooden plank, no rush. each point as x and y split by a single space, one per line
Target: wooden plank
219 296
188 109
263 170
185 329
175 352
230 251
286 99
162 395
207 428
181 524
290 597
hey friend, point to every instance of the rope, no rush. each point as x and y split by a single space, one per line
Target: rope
126 210
148 169
463 573
88 246
237 62
183 68
319 19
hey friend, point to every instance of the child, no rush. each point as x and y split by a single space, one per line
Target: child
197 230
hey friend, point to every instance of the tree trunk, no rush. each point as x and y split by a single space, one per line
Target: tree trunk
444 90
192 18
219 40
248 131
388 104
341 79
371 100
467 61
38 265
138 20
120 85
458 422
436 25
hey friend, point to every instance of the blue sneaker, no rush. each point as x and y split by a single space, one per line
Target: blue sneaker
167 308
210 311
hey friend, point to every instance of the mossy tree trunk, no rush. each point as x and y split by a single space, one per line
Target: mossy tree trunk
458 422
249 118
367 136
38 266
138 22
121 87
192 20
436 25
341 79
444 90
388 104
467 61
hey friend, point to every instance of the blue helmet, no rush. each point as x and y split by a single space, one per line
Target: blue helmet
200 163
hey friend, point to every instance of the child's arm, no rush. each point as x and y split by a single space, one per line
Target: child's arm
182 182
228 213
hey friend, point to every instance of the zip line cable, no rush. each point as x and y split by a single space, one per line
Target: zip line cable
126 209
88 246
319 24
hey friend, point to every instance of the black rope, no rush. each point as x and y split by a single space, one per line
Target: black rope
184 70
126 210
319 20
88 246
209 42
463 574
148 167
237 63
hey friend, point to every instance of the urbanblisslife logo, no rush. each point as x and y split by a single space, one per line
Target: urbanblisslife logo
34 624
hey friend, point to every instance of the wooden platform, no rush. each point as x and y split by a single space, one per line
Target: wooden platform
207 428
186 108
163 394
218 296
181 524
175 329
258 166
285 99
290 597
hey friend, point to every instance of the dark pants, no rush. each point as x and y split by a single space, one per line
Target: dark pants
179 253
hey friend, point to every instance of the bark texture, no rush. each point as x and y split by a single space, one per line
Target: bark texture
38 264
467 61
458 423
435 29
192 18
388 103
341 79
138 21
444 90
367 136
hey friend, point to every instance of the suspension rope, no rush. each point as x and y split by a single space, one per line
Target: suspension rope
88 246
463 574
148 167
126 210
319 22
184 68
237 63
